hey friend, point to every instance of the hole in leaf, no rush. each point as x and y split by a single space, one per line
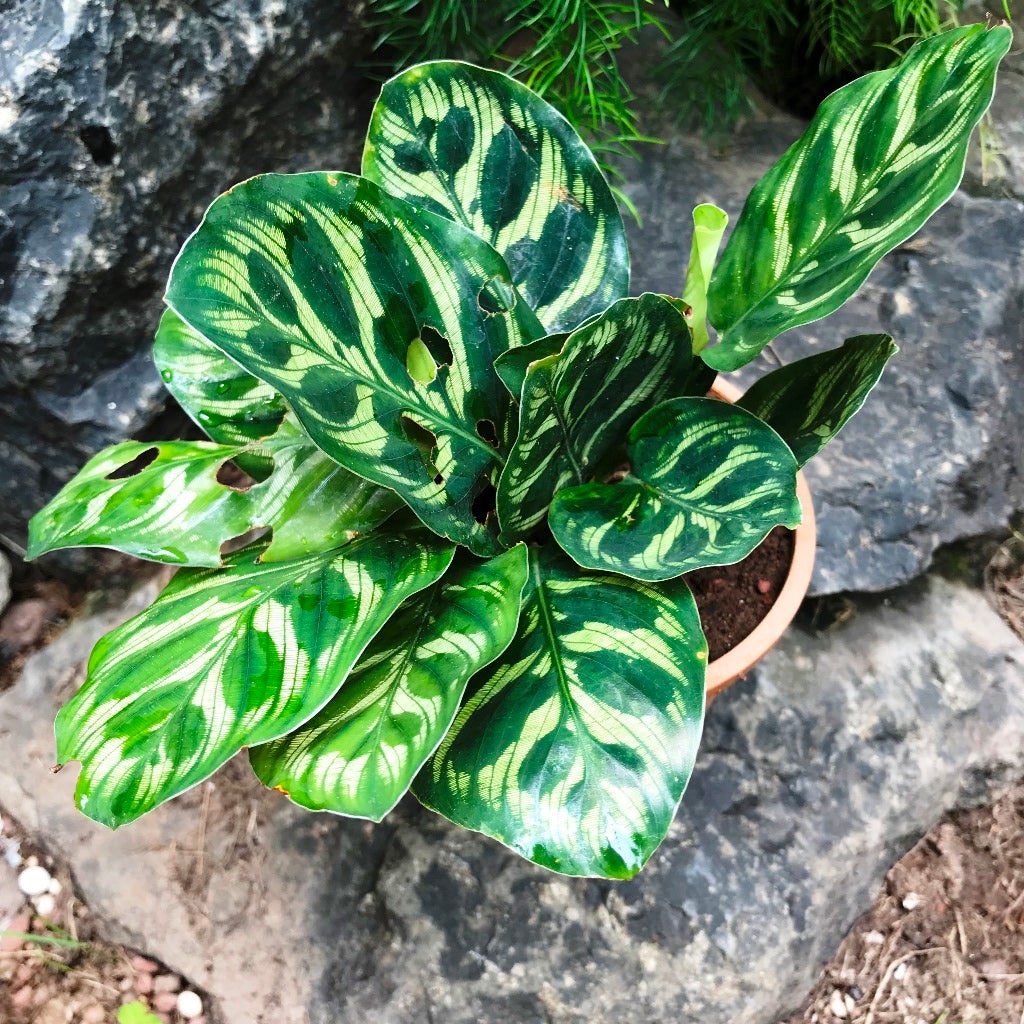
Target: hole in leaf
99 142
497 296
437 345
439 479
243 540
230 474
485 504
135 466
424 440
488 432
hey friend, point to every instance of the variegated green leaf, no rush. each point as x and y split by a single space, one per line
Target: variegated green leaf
575 747
881 155
809 401
231 405
512 365
578 405
360 753
486 151
709 224
227 658
165 501
319 284
707 481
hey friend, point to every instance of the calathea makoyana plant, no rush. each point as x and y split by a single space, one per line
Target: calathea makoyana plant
471 471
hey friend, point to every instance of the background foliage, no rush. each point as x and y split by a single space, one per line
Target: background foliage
569 51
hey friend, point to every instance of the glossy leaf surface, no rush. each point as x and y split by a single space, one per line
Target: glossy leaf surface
575 746
231 405
578 405
707 481
229 658
483 149
809 401
881 155
174 507
318 284
360 753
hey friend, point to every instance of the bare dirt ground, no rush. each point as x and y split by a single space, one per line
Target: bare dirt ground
55 968
944 942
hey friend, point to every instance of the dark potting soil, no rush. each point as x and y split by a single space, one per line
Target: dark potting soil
733 599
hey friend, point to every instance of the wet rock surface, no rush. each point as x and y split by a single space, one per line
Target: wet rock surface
815 773
119 124
936 454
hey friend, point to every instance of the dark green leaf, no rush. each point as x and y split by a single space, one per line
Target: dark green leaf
482 149
574 748
809 401
359 754
707 481
227 658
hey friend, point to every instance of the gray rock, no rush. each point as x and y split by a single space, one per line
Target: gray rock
119 123
816 773
5 582
935 455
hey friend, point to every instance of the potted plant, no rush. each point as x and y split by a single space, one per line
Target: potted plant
455 475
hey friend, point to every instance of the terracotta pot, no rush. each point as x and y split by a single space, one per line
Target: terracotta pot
735 664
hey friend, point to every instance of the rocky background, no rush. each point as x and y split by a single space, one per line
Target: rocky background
119 122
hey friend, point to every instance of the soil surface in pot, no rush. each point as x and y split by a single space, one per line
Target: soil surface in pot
733 599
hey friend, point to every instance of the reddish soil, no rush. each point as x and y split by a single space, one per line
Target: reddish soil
733 599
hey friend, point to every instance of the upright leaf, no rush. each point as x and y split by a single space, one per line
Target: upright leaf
359 754
170 501
482 149
880 157
809 401
319 284
575 747
231 405
229 658
577 405
709 224
706 483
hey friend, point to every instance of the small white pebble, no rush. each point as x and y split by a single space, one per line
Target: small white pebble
900 973
837 1004
911 901
34 880
45 904
189 1004
874 939
55 887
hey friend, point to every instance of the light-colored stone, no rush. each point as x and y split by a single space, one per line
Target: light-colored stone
815 774
34 881
5 582
190 1005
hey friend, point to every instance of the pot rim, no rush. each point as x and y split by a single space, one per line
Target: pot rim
736 663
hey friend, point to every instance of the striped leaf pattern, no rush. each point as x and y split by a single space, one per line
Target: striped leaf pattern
175 508
707 481
229 658
231 406
486 151
881 155
319 284
575 746
360 753
809 401
577 406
